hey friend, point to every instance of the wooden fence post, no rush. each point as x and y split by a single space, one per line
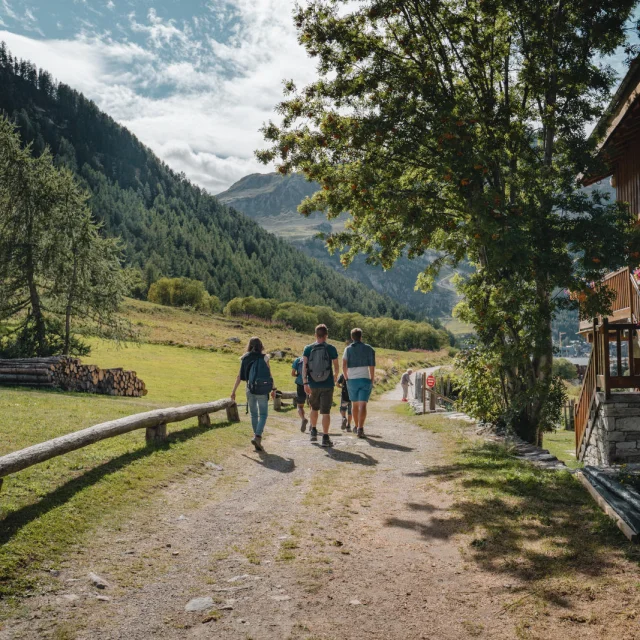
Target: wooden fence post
232 413
424 393
432 400
156 434
607 364
277 403
204 420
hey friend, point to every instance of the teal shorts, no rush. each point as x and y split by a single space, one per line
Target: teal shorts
359 389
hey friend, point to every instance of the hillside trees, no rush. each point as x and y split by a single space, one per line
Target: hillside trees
460 127
54 264
167 226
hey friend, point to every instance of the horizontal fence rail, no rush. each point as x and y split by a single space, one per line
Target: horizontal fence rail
155 422
283 395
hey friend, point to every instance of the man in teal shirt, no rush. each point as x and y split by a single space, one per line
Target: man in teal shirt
319 373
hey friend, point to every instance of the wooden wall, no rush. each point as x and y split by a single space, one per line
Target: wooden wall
628 176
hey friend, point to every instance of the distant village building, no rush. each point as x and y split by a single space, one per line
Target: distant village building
607 414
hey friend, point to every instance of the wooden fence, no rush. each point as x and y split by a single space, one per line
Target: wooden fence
430 398
569 415
155 422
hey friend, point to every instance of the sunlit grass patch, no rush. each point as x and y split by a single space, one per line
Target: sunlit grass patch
562 444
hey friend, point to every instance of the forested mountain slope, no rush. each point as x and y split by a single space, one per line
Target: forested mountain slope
168 225
272 200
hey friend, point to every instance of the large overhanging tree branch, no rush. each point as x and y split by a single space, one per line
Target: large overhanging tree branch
459 126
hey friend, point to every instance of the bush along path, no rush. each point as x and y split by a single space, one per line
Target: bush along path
421 531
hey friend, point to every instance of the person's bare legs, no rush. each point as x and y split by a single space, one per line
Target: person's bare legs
301 411
355 409
360 414
313 418
326 423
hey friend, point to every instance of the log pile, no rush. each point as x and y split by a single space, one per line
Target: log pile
69 374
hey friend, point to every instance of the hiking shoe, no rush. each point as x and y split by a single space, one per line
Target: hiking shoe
344 424
361 433
256 441
326 441
349 428
303 425
314 434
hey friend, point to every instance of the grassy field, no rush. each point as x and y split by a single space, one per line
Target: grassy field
457 327
182 358
538 529
562 444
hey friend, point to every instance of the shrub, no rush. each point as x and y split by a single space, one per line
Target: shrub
183 292
564 369
380 332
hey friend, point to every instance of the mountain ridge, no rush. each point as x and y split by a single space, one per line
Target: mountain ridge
168 226
272 200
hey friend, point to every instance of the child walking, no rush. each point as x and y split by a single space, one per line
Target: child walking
345 403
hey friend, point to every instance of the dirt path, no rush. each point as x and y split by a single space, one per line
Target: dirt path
298 543
395 395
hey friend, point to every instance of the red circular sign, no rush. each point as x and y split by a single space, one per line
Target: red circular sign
431 381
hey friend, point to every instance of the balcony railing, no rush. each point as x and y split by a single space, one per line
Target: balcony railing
626 301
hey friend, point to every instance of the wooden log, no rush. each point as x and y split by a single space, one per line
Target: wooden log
24 458
232 412
287 395
277 403
43 373
35 385
204 420
156 434
15 379
28 367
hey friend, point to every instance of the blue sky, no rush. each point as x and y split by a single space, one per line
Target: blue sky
193 79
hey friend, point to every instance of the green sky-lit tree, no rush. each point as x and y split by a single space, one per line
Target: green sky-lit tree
55 267
459 125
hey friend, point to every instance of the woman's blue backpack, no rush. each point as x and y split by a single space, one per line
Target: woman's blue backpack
260 382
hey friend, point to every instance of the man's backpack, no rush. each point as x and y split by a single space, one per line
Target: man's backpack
260 382
319 363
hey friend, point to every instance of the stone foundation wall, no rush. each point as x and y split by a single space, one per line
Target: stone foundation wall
615 436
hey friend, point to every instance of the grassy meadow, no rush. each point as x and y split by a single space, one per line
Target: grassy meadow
183 358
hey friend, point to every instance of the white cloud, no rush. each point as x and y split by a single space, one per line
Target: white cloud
197 102
111 4
9 12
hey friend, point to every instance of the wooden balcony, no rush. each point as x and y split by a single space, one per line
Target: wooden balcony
626 304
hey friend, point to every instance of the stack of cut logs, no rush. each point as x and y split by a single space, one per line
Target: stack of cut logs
70 374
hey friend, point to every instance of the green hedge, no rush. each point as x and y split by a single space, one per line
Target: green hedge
183 292
379 332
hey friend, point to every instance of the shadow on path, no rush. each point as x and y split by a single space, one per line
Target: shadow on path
18 519
273 462
340 455
392 446
529 523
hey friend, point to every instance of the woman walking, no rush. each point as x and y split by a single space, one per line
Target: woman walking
256 372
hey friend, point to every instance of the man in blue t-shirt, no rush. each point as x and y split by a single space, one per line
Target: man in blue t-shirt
319 373
359 368
301 397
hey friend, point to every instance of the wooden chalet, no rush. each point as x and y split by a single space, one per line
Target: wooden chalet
618 369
